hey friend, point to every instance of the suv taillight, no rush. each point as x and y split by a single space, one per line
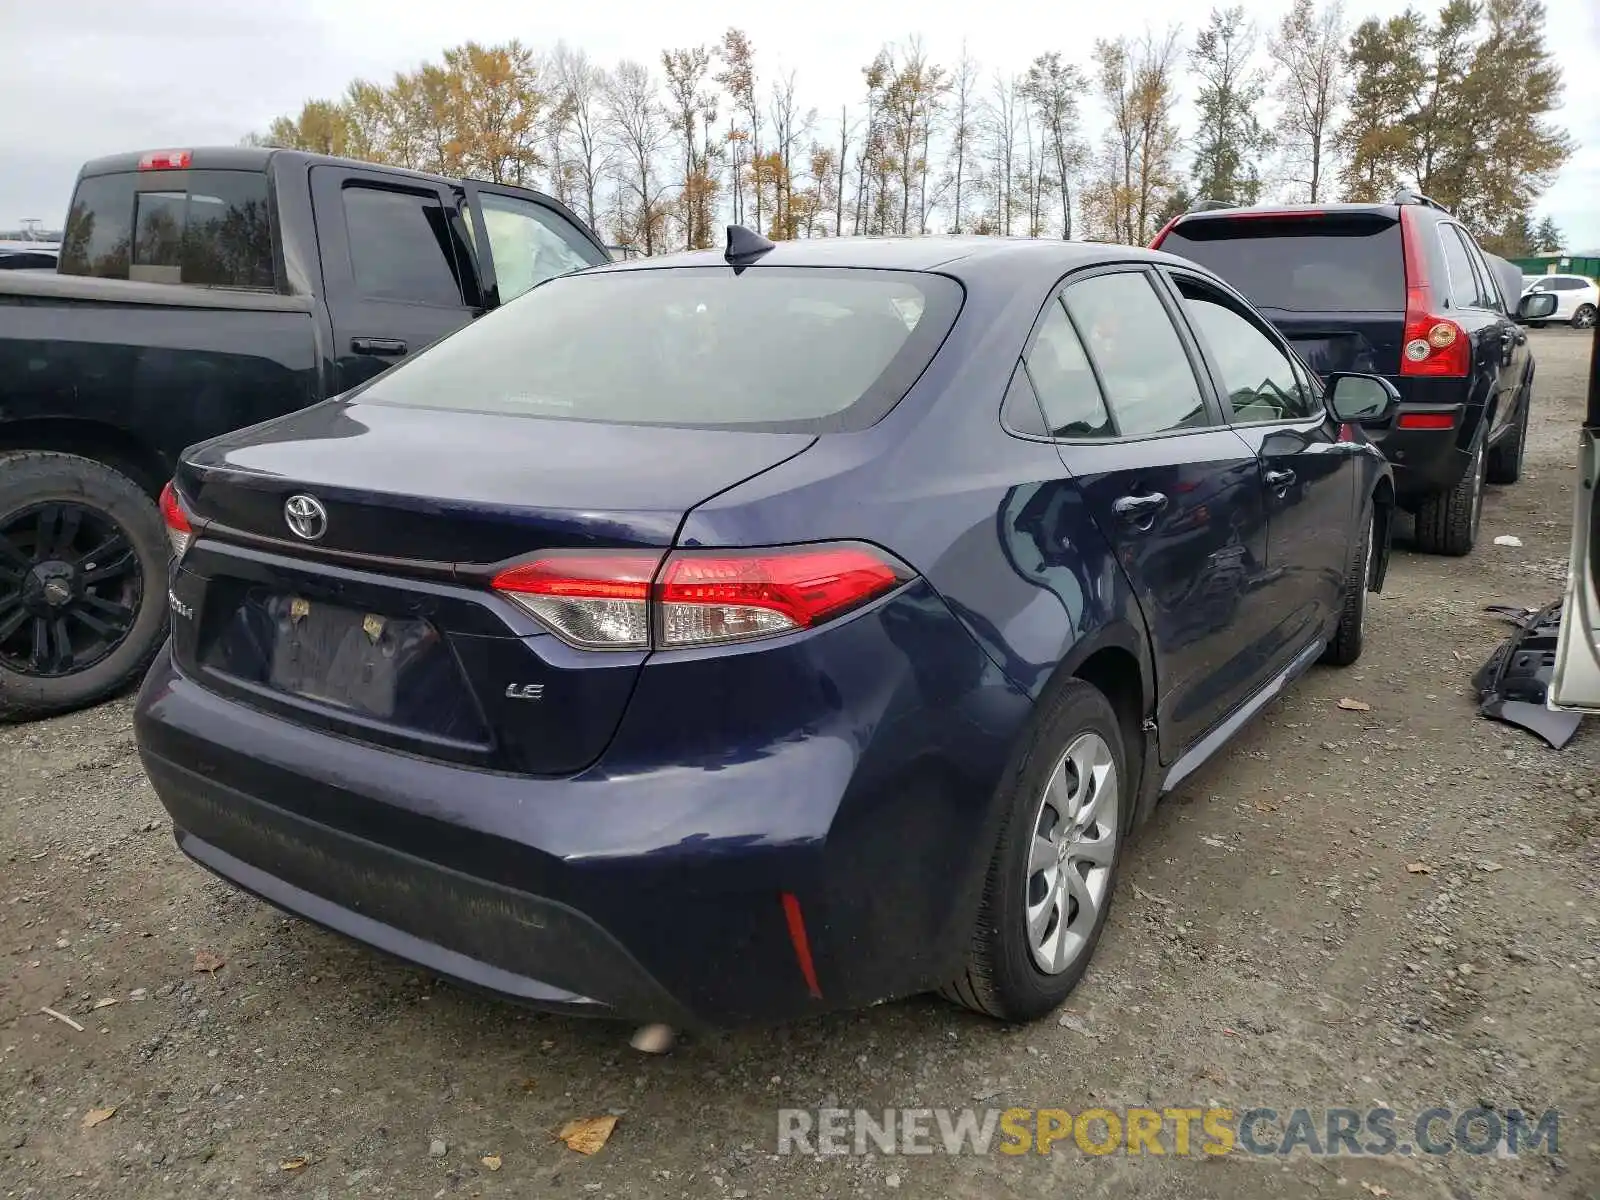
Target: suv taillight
179 531
1434 346
622 600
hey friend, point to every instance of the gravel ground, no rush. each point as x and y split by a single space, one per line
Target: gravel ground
1269 947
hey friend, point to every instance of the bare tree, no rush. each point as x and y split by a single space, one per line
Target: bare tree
686 72
580 87
963 130
1137 171
1052 87
738 79
1000 116
1309 48
638 125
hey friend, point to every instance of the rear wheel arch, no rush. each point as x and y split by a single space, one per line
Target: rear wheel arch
96 440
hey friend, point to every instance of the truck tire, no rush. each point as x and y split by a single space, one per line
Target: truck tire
1505 460
1447 522
83 568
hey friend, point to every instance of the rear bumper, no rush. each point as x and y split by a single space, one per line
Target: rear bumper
1425 461
652 885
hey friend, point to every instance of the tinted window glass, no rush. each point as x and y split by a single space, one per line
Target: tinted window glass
1316 264
1260 379
99 233
1021 409
532 243
1066 386
1463 287
200 227
1148 381
772 348
400 246
1570 285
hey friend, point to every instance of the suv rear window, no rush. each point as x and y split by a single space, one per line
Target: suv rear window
774 348
1324 263
198 227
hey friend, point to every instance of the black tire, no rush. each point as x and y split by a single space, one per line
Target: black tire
32 478
1505 460
1447 522
1345 648
1001 978
1585 316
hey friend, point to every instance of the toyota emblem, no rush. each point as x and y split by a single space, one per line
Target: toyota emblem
306 517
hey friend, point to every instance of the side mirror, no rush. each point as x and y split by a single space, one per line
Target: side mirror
1361 399
1536 306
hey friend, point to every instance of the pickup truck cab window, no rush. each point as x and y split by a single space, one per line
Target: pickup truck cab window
400 246
209 228
531 243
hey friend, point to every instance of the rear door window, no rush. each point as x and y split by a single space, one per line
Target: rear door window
1302 263
210 228
401 246
1137 354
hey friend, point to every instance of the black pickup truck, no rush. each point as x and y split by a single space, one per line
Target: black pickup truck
200 291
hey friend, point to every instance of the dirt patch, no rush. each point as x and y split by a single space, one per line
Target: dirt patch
1269 947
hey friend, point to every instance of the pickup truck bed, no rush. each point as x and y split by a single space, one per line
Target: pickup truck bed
200 292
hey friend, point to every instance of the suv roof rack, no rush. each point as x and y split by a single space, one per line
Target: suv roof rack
1408 196
1209 206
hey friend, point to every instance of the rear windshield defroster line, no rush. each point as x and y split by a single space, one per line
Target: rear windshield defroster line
780 349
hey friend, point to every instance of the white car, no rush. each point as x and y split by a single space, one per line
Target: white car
1577 298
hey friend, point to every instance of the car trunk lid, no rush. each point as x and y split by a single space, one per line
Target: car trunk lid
383 625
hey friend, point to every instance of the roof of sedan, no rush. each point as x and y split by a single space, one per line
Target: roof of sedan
955 255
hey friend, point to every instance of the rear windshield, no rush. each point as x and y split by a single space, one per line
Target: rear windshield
789 349
197 227
1302 264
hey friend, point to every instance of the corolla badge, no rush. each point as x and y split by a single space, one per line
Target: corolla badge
305 516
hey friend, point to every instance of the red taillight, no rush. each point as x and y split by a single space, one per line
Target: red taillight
1433 347
620 601
165 160
595 601
1423 420
179 531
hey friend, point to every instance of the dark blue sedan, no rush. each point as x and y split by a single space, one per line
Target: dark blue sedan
737 636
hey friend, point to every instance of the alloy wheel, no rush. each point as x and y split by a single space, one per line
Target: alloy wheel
1075 831
70 587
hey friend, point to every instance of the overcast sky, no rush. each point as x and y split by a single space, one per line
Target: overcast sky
91 77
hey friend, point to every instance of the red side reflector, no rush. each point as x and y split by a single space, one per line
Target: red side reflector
1426 421
802 944
165 160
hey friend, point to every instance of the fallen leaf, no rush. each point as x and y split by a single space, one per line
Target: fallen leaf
96 1115
587 1134
1508 539
1490 867
1350 705
492 1161
293 1164
529 1084
1419 868
208 962
1374 1188
106 1003
1151 896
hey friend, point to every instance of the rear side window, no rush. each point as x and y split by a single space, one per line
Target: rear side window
785 349
1064 381
1328 263
1466 290
210 228
1142 365
400 246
